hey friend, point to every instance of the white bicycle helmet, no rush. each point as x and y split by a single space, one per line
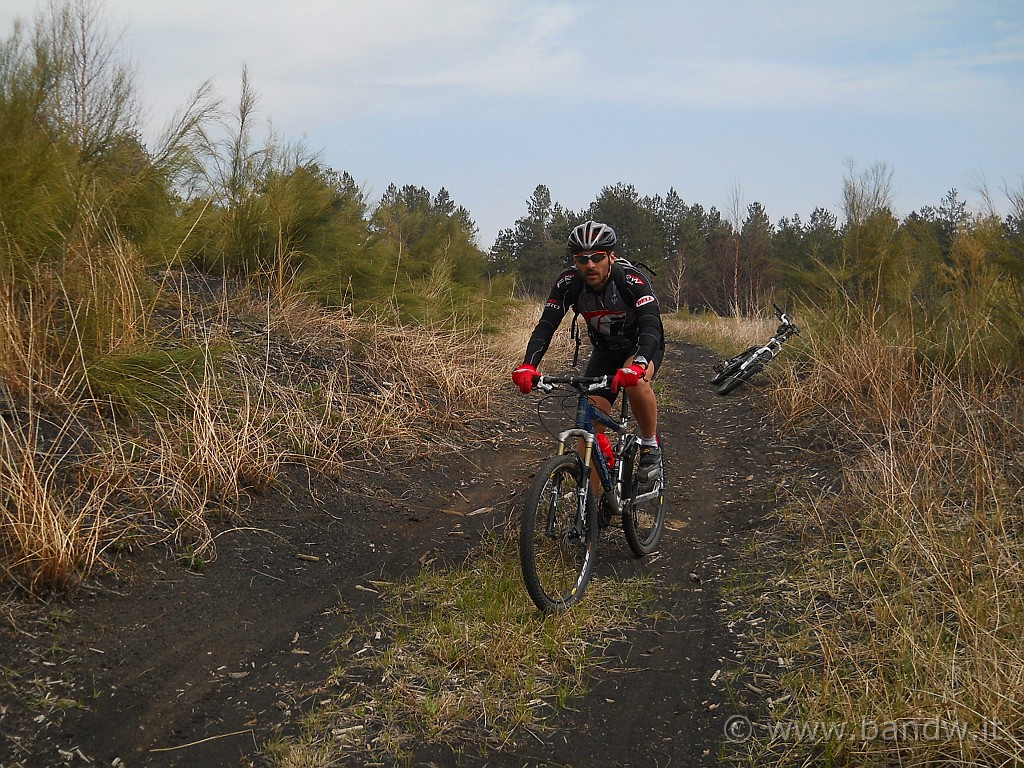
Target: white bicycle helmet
592 236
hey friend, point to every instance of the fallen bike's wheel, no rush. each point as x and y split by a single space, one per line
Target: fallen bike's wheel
741 376
557 548
643 514
730 366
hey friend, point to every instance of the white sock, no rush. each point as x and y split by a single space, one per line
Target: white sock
650 442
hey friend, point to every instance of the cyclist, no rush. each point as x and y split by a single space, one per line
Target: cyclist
623 321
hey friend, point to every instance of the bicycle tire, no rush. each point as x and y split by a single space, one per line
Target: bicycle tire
557 559
741 376
732 365
644 523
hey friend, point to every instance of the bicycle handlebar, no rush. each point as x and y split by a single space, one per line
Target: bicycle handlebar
582 383
785 319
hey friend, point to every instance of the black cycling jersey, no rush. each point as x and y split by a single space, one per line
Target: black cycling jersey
624 315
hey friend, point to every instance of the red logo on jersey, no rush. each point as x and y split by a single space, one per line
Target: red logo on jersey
552 304
644 300
606 322
634 280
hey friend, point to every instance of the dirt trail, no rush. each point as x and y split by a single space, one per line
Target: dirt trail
161 666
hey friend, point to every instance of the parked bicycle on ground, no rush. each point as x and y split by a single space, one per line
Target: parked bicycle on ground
564 514
733 372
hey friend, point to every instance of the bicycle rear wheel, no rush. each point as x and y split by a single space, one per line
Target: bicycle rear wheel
730 366
741 376
557 548
643 514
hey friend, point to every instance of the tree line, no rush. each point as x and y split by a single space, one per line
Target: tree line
707 259
937 270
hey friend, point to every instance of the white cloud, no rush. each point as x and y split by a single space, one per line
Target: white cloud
343 58
751 84
515 54
886 58
319 57
316 56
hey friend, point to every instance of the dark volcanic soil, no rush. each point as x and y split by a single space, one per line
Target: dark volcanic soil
158 665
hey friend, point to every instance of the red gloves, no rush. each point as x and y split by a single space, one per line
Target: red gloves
524 376
627 377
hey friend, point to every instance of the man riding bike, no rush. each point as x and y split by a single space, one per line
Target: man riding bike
623 321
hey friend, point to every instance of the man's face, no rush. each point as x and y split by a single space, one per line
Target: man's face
595 266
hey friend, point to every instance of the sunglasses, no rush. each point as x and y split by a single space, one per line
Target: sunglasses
597 257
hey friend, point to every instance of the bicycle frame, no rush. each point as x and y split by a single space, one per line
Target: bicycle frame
587 414
762 355
772 348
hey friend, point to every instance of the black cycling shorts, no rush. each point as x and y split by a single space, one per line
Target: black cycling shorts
608 361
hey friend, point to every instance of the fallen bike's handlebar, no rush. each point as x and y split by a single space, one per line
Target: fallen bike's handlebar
787 325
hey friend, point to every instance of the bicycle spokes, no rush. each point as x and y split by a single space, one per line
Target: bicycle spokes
557 538
552 505
643 515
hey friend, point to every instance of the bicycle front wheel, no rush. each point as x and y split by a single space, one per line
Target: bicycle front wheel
643 515
557 544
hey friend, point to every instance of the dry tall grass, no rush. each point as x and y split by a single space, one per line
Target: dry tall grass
54 523
903 595
279 382
726 335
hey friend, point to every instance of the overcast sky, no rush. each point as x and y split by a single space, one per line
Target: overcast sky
489 98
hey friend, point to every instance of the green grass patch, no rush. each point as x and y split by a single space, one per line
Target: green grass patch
462 656
153 381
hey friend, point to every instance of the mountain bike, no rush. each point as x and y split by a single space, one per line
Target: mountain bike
563 514
734 371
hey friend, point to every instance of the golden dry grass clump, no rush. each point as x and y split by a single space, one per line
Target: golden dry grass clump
231 389
898 593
